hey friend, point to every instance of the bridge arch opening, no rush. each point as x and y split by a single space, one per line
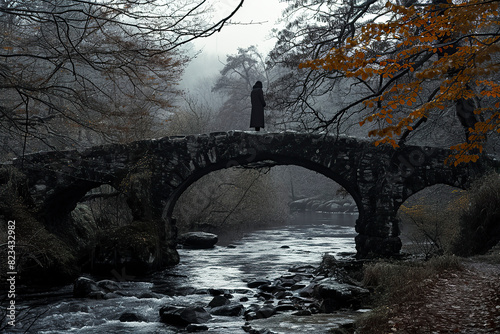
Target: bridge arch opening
429 219
277 195
262 161
107 206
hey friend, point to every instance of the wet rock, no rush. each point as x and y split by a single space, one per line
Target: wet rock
297 286
287 282
182 316
112 295
108 285
242 291
302 313
130 317
247 328
250 316
257 283
198 240
308 290
266 311
219 301
271 288
196 328
251 312
302 300
221 292
84 287
286 307
302 269
183 291
283 294
232 310
265 295
244 299
147 295
337 295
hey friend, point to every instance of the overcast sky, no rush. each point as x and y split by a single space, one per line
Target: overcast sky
258 18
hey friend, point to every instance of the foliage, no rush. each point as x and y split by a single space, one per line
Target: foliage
393 279
236 80
41 256
394 284
307 97
431 221
195 115
231 200
480 221
410 62
82 72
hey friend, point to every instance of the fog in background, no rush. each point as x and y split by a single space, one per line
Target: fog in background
252 25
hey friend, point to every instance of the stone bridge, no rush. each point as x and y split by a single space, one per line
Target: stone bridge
154 173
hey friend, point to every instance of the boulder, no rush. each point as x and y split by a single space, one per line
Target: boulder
198 240
307 291
337 295
232 310
258 282
219 301
183 316
108 285
266 311
84 287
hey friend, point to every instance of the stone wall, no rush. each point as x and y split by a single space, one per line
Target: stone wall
154 173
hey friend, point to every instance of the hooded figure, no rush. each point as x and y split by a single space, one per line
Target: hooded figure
258 104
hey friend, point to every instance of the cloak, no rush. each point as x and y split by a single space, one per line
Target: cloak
258 104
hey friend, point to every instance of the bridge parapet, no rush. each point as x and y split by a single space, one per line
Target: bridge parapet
154 173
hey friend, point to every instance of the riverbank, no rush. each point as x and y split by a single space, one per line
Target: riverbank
444 295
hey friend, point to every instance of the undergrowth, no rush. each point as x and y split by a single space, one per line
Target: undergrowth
396 283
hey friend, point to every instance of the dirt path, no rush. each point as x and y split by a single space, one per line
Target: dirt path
459 302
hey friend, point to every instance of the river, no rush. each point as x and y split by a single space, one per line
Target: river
261 254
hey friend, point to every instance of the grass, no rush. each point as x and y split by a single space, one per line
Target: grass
396 283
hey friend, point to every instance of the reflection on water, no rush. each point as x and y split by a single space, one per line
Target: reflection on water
265 253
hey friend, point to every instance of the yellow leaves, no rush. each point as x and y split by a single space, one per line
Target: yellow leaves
453 63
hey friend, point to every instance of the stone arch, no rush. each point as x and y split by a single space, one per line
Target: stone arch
378 177
261 160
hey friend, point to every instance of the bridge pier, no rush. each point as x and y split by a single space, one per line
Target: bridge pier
370 245
378 226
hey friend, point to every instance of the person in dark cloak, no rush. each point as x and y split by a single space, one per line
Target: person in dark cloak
258 104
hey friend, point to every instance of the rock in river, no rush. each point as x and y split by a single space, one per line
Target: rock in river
198 240
182 316
84 287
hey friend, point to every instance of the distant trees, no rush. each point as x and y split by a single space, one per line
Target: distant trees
86 72
404 64
312 28
235 83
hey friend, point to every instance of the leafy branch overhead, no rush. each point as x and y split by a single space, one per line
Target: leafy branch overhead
76 73
451 45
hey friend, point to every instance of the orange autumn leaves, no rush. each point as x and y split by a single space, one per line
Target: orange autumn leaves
453 44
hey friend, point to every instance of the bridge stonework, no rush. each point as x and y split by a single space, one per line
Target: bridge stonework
154 173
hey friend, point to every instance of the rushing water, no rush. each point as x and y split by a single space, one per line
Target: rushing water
265 253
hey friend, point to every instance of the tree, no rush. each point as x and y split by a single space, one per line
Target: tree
312 28
104 70
452 46
235 83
